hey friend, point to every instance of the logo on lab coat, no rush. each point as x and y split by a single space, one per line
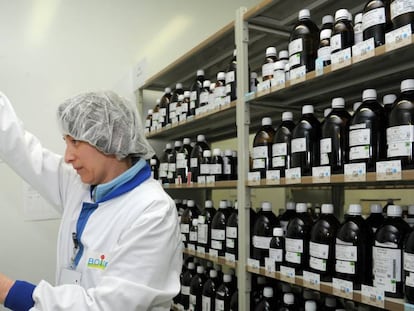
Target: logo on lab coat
97 262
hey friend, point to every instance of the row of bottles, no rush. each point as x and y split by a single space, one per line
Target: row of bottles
188 162
374 132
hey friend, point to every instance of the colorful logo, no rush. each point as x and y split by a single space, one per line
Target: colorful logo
97 263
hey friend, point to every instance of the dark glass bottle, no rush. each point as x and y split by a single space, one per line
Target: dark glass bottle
388 101
232 235
281 144
172 162
376 217
185 285
229 165
148 120
204 227
195 91
409 268
287 215
190 212
387 253
231 72
324 48
401 14
224 293
263 231
277 247
205 165
367 132
343 32
196 156
400 145
305 142
220 90
234 301
155 166
164 110
262 147
258 284
374 21
297 239
334 137
165 158
174 101
352 250
322 244
303 42
193 235
184 112
218 229
216 166
267 303
183 160
196 289
209 291
204 94
268 66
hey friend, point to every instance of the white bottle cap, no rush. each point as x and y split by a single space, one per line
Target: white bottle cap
180 97
226 278
266 206
190 203
358 18
153 161
271 51
301 208
178 86
268 292
167 90
234 153
375 208
191 266
389 99
325 34
304 13
223 204
310 305
187 94
253 75
338 102
206 84
356 106
307 109
178 143
201 138
200 269
228 153
266 121
212 87
207 153
201 219
200 72
288 299
354 209
186 141
283 54
341 14
168 146
327 111
280 65
327 19
277 231
290 205
407 85
150 111
327 208
216 152
194 222
287 116
394 211
411 210
213 273
221 75
208 204
369 94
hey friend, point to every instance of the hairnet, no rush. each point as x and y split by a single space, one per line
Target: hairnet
106 121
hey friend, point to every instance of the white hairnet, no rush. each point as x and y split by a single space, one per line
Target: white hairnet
106 121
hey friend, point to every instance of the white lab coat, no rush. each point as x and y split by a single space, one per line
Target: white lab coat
137 233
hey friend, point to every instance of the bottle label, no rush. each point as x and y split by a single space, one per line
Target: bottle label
336 42
325 148
293 257
260 152
324 53
163 170
319 250
163 112
216 245
399 140
259 163
345 252
276 254
230 243
231 232
317 263
400 7
359 141
409 279
279 149
220 91
193 302
298 145
373 17
261 242
227 168
295 46
409 262
185 228
194 162
278 161
193 96
347 267
360 152
294 245
294 60
206 303
202 237
268 69
205 169
218 234
216 169
219 305
193 236
185 290
181 160
386 268
184 108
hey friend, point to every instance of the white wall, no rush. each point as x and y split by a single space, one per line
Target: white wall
53 49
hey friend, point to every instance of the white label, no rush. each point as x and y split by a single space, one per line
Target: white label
355 172
278 161
218 234
297 74
254 263
400 7
279 149
324 53
261 242
273 176
279 78
193 236
398 38
193 162
342 288
363 50
205 169
230 243
321 174
319 250
345 252
359 152
230 77
185 228
293 257
253 176
230 257
276 254
341 58
312 280
372 296
293 175
213 252
295 46
270 265
231 232
205 303
326 145
219 305
388 170
294 245
386 268
298 145
268 69
260 152
399 140
216 244
259 163
347 267
317 263
336 42
185 290
373 17
287 272
409 262
216 169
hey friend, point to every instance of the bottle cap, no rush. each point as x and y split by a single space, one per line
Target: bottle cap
375 208
200 269
212 87
153 161
206 84
253 75
190 203
310 305
307 109
394 211
234 153
216 152
389 99
201 219
327 208
268 292
290 205
167 90
187 94
191 265
341 14
266 121
411 210
208 204
168 146
277 231
287 116
338 102
354 209
327 111
228 153
200 72
207 153
407 85
358 18
194 222
186 141
180 97
266 206
150 111
221 75
178 143
369 94
280 65
356 106
327 19
223 204
271 51
304 14
301 208
288 299
226 278
325 34
201 138
283 54
178 86
213 273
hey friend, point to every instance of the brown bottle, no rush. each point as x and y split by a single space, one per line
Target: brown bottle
268 66
164 115
262 147
374 20
343 33
402 13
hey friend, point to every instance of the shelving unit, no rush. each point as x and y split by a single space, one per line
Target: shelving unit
253 30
